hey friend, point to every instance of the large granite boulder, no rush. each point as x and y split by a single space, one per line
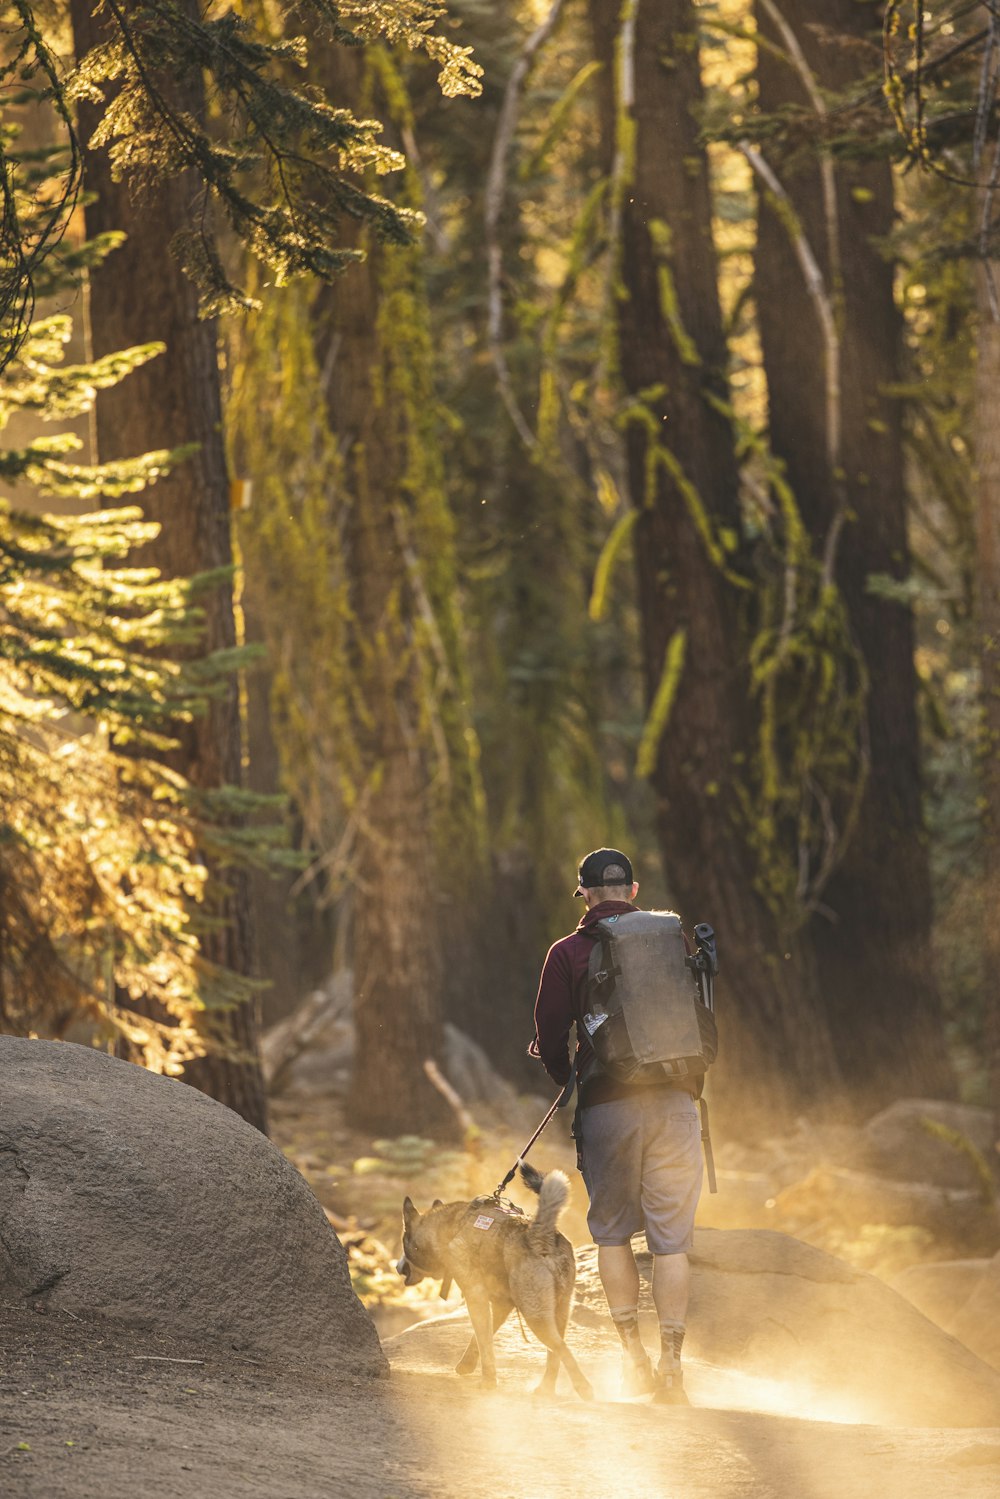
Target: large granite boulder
134 1197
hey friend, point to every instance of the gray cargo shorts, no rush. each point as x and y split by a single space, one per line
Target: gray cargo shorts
641 1159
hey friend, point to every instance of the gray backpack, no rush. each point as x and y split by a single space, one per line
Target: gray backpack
649 1008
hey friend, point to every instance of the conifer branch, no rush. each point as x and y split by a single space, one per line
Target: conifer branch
290 169
32 224
103 885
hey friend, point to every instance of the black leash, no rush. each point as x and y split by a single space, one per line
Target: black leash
560 1103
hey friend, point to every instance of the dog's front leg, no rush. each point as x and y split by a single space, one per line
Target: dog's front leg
481 1316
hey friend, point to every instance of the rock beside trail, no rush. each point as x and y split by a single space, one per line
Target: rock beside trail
136 1198
977 1323
770 1306
955 1216
925 1163
962 1297
940 1288
931 1140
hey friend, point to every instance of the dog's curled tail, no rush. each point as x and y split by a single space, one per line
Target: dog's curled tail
553 1193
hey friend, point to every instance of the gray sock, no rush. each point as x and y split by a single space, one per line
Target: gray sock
626 1320
671 1343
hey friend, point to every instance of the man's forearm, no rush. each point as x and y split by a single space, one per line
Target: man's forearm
553 1018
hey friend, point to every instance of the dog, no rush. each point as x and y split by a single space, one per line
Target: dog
501 1262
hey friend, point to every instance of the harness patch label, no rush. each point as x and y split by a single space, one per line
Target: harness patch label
484 1221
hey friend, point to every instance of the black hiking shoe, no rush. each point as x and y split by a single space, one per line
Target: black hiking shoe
669 1387
637 1378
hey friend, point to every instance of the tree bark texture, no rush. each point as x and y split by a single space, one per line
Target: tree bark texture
140 295
873 943
987 387
775 1051
400 953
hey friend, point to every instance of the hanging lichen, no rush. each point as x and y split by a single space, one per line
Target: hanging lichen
307 500
611 551
797 789
663 701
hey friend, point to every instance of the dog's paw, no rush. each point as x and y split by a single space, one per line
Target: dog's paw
488 1382
544 1391
467 1367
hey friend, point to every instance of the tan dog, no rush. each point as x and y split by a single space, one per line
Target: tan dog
501 1261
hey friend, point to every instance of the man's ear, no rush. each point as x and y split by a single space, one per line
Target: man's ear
410 1213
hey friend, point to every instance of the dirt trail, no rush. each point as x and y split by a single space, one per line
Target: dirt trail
96 1413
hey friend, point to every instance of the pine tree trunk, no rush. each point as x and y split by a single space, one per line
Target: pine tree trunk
399 943
988 555
140 295
398 959
398 964
775 1049
873 944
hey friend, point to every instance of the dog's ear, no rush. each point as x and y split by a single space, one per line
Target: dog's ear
437 1203
410 1214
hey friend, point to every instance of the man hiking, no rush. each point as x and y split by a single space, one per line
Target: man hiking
638 1141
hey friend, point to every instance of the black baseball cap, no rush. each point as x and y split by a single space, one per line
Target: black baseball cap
605 866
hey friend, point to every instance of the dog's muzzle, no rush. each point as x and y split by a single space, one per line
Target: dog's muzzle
411 1275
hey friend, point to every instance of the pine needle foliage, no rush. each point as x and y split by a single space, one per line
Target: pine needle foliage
225 93
282 170
103 888
36 196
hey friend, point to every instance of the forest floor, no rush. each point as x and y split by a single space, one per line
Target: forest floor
103 1413
107 1414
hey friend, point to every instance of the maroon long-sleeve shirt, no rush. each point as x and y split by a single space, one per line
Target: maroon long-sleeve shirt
561 995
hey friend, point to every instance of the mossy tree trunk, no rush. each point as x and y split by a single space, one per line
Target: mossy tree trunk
139 295
987 388
400 866
684 482
872 934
